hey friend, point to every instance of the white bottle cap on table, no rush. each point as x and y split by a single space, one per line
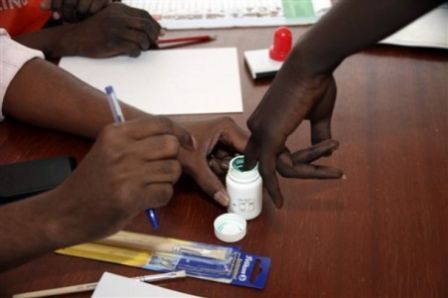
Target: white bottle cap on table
230 227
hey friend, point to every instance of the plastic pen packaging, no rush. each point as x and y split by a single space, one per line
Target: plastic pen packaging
225 264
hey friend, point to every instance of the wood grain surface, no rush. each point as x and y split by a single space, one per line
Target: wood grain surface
381 232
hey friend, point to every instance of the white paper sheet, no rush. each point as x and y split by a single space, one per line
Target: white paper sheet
112 285
168 82
431 30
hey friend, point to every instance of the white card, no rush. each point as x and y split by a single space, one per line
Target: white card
168 82
113 286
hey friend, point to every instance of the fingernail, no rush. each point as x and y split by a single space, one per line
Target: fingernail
278 202
344 177
222 198
190 142
334 145
336 173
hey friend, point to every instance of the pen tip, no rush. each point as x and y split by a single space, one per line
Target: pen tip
109 89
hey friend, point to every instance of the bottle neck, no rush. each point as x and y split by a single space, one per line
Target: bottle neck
236 171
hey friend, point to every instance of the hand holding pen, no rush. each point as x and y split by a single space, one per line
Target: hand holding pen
176 130
131 166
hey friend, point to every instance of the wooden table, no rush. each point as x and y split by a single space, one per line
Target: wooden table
381 232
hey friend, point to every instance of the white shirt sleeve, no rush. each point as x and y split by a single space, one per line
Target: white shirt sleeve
12 57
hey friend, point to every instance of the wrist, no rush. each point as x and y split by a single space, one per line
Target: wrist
51 219
65 42
309 63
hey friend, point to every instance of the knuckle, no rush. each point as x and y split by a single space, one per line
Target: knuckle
144 14
228 120
134 51
163 195
173 168
122 192
171 145
166 193
177 170
109 133
143 40
165 123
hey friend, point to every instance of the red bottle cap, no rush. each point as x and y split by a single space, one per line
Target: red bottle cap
282 44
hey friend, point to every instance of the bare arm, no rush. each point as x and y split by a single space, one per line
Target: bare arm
55 99
305 88
353 25
114 30
131 167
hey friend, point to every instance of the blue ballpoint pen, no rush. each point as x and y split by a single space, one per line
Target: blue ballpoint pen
119 117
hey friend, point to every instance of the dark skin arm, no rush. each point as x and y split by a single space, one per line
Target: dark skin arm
132 166
74 10
305 88
116 29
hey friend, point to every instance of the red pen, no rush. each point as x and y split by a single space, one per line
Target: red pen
198 38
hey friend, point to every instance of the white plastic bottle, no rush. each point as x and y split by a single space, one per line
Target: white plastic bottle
245 189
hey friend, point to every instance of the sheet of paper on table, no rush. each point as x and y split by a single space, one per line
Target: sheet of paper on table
431 30
112 285
168 82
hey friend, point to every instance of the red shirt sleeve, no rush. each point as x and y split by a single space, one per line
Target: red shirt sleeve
22 16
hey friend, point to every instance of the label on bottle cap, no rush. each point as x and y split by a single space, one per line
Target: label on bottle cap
230 227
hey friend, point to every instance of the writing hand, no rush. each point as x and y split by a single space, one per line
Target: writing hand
131 167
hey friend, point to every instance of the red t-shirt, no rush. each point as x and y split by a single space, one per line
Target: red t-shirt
21 16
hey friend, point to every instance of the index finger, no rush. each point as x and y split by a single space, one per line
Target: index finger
234 136
251 154
155 125
267 167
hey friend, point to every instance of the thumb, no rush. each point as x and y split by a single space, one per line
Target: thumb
45 5
210 183
320 115
320 130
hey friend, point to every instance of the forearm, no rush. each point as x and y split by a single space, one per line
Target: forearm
54 42
26 230
44 95
352 25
